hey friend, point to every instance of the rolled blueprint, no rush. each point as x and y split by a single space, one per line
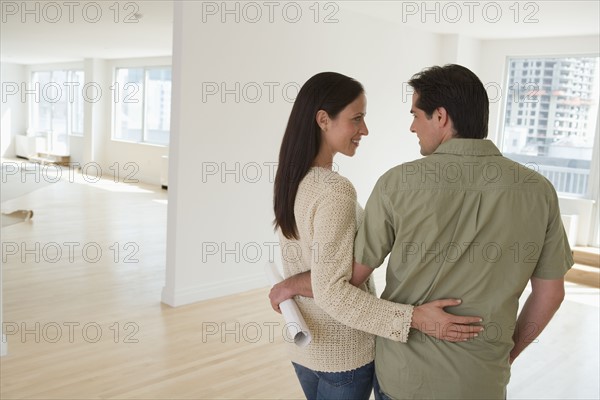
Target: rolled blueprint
294 322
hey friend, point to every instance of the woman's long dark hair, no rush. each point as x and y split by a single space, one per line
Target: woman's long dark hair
327 91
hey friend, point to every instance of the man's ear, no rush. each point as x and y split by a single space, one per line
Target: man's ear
322 119
442 117
444 120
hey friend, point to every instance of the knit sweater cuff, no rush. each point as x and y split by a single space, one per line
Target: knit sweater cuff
402 322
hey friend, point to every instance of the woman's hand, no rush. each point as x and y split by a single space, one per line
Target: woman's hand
431 319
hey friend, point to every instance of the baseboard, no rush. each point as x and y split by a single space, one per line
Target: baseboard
211 291
3 346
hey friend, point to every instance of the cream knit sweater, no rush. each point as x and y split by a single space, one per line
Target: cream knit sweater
327 215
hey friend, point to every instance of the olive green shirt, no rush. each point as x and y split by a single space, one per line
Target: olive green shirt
468 223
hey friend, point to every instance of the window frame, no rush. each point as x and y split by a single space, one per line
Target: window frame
70 105
115 104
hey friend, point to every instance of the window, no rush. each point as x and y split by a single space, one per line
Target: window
142 112
57 111
565 116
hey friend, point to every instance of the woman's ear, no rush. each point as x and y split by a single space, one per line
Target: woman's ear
322 119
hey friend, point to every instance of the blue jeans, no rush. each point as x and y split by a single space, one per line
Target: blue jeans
347 385
379 395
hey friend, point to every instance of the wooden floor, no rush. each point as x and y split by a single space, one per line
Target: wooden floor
91 325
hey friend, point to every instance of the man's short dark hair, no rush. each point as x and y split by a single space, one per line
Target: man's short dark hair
460 92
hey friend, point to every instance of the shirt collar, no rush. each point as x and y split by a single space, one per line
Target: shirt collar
472 147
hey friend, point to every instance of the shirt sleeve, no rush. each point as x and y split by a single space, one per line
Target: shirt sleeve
331 270
376 234
556 257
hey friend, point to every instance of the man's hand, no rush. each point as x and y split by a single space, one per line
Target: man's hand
431 319
294 285
278 294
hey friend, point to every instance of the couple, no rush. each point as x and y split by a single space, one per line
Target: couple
461 223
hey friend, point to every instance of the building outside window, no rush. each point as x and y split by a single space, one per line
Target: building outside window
557 137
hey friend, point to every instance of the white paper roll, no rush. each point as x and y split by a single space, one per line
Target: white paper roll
294 322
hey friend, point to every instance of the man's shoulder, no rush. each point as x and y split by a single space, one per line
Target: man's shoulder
401 173
524 176
464 171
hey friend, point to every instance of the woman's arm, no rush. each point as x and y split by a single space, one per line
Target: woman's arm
428 317
299 285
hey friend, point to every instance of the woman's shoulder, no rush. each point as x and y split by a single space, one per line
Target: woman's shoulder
329 182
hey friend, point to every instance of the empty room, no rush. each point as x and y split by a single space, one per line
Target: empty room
146 202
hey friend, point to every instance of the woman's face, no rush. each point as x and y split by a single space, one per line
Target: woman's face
343 134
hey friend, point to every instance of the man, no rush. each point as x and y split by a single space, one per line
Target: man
467 222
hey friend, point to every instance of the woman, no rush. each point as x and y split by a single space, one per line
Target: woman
316 215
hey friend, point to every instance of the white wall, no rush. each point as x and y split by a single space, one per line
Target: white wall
13 110
13 113
210 215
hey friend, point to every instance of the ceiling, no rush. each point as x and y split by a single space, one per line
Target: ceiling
144 28
490 19
73 33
